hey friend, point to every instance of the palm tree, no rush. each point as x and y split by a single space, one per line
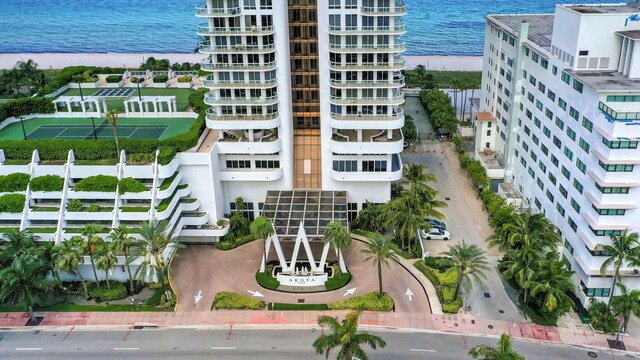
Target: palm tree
499 219
261 228
623 248
554 281
626 304
469 262
407 214
337 236
345 336
415 176
91 243
522 265
12 80
123 243
106 259
371 217
46 255
69 256
112 118
41 83
154 240
534 229
24 282
16 243
379 251
504 351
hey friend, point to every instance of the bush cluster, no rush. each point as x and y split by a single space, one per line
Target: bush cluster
47 183
26 106
160 79
102 293
443 277
67 74
74 205
477 173
409 129
114 79
131 185
185 79
231 300
441 113
371 301
12 203
441 263
100 183
14 182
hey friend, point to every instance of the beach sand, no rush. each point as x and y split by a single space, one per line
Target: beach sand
58 61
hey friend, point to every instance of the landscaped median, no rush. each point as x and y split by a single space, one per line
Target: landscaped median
443 276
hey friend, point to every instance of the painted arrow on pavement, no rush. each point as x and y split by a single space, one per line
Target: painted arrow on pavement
198 297
255 293
350 292
409 294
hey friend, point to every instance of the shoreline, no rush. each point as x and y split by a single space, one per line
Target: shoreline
61 60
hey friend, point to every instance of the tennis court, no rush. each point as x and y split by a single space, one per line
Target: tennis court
115 96
83 129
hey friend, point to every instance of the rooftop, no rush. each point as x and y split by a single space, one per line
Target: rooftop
484 116
540 26
631 34
606 81
621 8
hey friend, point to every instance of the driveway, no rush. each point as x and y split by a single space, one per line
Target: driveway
205 269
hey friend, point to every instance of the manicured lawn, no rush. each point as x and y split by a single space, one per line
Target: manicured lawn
446 79
182 96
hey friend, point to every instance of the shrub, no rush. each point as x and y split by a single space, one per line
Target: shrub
14 182
118 291
140 159
185 79
231 300
47 183
409 129
114 79
74 205
160 79
100 183
12 203
453 307
131 185
370 301
136 80
93 208
26 106
602 318
441 263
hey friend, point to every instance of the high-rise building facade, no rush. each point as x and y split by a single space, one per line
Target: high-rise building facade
304 94
555 126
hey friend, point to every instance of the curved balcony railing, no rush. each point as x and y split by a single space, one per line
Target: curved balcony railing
210 82
203 10
206 30
211 99
398 29
373 142
252 122
399 9
205 47
395 100
398 64
399 114
392 48
394 83
207 65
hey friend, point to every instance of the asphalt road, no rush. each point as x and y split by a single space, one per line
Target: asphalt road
248 344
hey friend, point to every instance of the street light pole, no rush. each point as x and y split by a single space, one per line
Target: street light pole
95 134
24 133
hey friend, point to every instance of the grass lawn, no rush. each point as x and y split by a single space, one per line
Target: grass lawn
182 96
175 126
446 79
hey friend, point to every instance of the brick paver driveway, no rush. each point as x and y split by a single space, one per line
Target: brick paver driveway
209 270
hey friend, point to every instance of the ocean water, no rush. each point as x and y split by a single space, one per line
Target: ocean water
435 27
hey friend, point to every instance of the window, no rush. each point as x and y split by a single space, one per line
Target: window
544 63
609 212
575 205
530 97
560 209
559 123
548 113
535 57
566 172
623 98
554 70
334 4
538 204
616 167
247 211
532 80
568 153
565 77
571 134
535 139
568 246
595 292
577 86
531 173
551 95
557 142
563 191
540 184
587 124
554 160
345 165
374 166
544 149
352 211
238 164
584 145
539 105
523 162
267 164
546 132
552 178
536 122
578 186
549 196
533 155
543 167
527 130
612 190
562 104
624 144
572 225
605 232
541 87
574 113
581 166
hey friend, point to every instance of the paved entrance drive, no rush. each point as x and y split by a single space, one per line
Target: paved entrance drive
205 269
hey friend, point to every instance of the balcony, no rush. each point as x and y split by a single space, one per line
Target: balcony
206 47
614 179
398 29
206 30
397 65
606 222
371 142
396 82
238 142
208 65
368 48
616 156
251 174
367 176
240 121
213 100
203 10
396 99
210 82
400 9
609 201
398 113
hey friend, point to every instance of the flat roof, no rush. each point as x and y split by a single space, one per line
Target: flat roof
631 34
540 26
621 8
606 81
484 116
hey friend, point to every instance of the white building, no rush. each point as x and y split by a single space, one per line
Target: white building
555 127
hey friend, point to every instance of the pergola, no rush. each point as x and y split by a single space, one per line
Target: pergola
144 103
301 216
92 102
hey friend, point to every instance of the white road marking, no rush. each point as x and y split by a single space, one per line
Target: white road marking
224 348
28 349
422 350
126 349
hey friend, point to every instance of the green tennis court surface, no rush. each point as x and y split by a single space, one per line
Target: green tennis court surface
83 129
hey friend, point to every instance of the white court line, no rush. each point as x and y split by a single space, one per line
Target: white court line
28 349
224 348
125 349
422 350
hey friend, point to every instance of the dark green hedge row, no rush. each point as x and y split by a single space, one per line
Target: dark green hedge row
101 183
26 106
47 183
159 79
114 79
131 185
12 203
14 182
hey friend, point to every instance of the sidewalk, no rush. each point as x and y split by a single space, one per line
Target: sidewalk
462 324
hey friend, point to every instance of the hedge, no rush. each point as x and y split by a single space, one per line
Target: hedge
231 300
441 263
100 183
47 183
159 79
14 182
26 106
66 75
74 205
12 203
184 79
370 301
114 79
118 291
131 185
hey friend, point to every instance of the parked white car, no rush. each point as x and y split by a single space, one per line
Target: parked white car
435 234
